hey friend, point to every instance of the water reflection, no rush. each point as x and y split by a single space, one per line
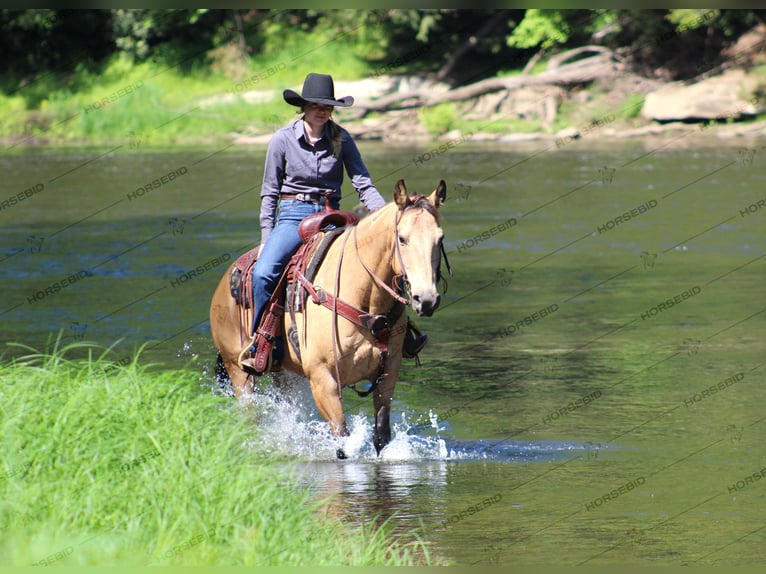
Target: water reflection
360 491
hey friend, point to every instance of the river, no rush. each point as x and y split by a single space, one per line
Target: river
593 392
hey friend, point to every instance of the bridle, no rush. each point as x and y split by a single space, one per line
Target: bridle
378 325
400 281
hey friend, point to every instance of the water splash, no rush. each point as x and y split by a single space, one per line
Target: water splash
287 425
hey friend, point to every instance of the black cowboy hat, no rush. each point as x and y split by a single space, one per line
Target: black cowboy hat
318 89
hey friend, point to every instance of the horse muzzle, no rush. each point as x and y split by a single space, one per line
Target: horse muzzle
425 305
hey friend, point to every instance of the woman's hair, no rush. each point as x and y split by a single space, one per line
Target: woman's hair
335 132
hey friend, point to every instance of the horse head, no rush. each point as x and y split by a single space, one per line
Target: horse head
418 245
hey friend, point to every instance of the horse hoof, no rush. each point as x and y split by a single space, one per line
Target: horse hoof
340 454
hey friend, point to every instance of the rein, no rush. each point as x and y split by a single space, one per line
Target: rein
335 316
378 325
377 279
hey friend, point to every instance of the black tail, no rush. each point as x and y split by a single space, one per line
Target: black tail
222 377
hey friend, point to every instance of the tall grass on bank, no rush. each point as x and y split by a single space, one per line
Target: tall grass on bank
102 464
161 103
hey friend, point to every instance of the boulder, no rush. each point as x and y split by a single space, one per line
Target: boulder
730 95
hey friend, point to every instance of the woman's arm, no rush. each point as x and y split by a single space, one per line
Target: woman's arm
360 177
273 176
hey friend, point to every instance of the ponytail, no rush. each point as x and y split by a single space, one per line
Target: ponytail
336 137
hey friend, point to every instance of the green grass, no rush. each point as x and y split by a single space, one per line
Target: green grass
158 104
102 464
439 119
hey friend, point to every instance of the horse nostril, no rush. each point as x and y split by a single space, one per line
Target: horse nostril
416 298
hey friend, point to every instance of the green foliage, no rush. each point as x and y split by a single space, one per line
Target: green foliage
632 105
119 465
59 63
691 19
12 115
439 119
544 28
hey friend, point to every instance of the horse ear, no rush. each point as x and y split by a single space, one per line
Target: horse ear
439 195
400 194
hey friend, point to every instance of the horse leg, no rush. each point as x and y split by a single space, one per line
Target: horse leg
324 388
381 435
381 400
241 382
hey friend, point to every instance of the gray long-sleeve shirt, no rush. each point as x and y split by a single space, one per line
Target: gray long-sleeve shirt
293 165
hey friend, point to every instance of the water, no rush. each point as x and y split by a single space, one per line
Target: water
593 390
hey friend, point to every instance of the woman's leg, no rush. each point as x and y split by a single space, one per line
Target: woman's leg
275 254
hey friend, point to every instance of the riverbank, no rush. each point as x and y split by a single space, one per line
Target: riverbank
144 106
106 464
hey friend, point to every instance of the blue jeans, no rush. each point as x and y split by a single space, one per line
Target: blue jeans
280 246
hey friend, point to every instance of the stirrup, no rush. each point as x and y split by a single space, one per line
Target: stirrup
246 359
414 341
413 345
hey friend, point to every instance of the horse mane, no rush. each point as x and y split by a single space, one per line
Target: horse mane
422 202
415 201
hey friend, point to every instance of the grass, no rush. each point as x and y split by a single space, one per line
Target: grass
158 104
102 464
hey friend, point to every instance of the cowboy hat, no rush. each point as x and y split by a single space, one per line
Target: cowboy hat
318 89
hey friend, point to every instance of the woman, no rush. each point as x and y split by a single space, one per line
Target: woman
305 162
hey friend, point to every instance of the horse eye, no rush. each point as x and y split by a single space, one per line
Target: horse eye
403 240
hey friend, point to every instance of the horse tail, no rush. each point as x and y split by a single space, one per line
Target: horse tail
222 377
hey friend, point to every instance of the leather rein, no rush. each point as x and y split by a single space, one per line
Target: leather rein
378 325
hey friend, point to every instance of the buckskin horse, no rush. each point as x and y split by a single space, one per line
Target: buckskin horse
351 324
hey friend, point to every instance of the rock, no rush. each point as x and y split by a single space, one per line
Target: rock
730 95
521 137
748 45
568 133
366 89
485 106
534 102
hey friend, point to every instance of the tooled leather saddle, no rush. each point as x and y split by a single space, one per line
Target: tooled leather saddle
317 233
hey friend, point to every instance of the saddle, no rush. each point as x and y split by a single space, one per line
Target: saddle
317 233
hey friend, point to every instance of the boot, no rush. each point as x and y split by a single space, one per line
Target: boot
246 358
414 341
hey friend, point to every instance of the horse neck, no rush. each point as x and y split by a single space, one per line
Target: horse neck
375 243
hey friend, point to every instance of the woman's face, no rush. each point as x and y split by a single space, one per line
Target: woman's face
317 114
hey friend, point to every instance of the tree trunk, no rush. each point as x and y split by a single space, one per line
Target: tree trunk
603 64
